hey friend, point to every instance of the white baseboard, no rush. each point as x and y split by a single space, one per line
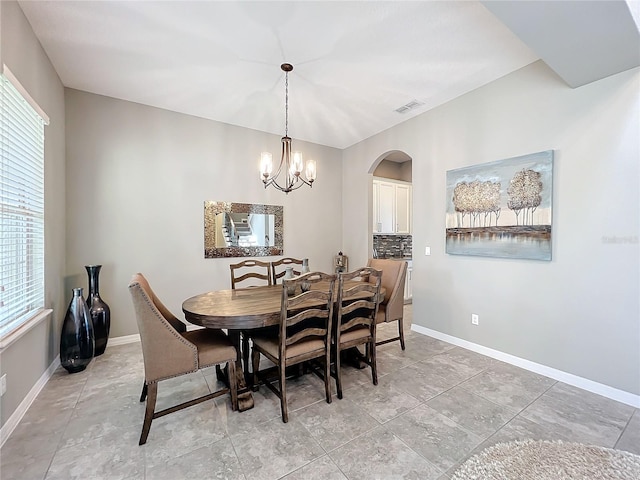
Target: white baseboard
574 380
113 342
17 415
13 421
19 412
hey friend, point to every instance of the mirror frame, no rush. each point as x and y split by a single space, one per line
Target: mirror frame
212 208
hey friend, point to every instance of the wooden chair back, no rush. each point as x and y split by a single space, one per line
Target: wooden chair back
278 268
358 303
257 269
304 333
306 316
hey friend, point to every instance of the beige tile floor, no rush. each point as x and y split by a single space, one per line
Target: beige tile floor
435 405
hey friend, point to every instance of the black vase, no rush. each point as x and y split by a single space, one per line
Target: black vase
76 341
99 310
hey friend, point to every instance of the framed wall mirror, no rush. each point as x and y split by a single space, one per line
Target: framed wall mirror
242 230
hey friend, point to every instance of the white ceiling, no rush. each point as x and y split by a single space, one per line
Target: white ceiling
582 41
354 62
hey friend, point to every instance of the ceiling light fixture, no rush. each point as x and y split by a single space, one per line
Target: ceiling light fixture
290 163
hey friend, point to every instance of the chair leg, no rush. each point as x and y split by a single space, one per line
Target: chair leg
245 352
255 357
338 374
283 392
401 332
233 385
143 395
371 347
152 391
327 374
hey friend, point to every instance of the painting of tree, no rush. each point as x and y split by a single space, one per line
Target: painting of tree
524 194
502 208
478 200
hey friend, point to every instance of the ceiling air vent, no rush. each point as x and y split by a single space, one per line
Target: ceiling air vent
409 106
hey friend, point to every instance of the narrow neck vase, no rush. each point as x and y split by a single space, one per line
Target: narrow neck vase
98 309
76 340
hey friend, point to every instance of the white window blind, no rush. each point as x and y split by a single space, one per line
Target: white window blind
21 209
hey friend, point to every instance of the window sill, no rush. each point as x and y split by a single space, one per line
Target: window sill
24 328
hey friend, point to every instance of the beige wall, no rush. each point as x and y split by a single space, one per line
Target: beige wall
578 313
27 359
394 170
137 180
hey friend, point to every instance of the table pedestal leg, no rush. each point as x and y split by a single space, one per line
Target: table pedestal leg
354 358
245 398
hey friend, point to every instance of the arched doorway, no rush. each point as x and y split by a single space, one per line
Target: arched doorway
391 210
395 165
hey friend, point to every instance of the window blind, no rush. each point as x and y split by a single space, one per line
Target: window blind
21 209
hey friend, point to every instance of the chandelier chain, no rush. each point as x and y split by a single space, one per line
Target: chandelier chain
286 104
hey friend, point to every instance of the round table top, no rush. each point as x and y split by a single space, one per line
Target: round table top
236 309
245 308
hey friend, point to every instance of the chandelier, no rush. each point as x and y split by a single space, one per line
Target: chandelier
290 164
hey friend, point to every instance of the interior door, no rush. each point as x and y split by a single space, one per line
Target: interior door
403 209
386 207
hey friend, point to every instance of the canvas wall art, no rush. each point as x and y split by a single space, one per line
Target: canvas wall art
502 208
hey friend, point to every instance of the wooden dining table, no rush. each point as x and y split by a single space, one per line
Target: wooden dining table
238 310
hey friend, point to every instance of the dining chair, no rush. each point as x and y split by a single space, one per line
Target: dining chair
278 268
357 306
391 309
253 269
305 333
168 353
180 326
256 270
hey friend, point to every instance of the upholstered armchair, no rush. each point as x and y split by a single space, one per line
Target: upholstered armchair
394 274
168 353
180 326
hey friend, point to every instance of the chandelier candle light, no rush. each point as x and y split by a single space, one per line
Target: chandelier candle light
292 165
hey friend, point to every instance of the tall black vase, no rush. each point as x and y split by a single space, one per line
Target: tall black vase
99 310
76 341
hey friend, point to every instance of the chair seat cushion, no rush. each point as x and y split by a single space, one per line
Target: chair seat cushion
381 316
213 346
270 345
354 334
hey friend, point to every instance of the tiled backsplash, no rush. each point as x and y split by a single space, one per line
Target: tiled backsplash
386 246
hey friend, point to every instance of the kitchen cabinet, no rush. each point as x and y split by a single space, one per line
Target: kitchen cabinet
392 207
403 208
408 292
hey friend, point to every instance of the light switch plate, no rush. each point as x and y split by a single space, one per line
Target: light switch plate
427 250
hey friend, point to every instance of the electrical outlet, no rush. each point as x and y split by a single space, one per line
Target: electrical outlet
3 384
475 319
427 250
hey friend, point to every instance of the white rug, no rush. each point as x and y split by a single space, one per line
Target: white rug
547 460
